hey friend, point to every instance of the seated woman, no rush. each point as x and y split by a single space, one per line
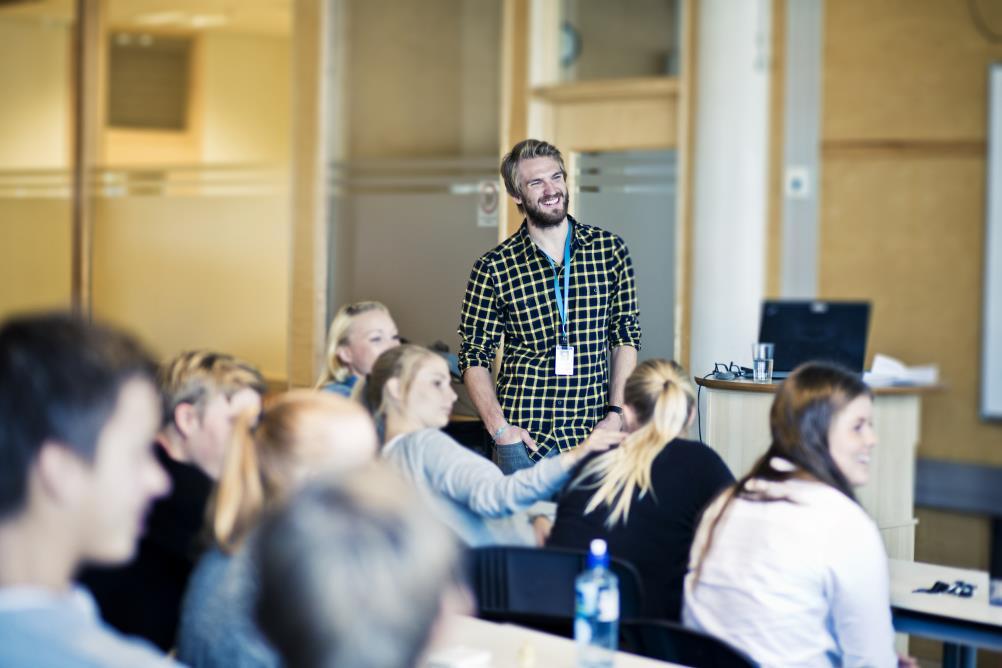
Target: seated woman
646 496
304 433
411 397
786 565
358 333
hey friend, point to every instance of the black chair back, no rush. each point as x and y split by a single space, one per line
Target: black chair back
668 641
534 587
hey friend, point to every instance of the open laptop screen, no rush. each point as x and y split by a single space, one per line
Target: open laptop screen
815 330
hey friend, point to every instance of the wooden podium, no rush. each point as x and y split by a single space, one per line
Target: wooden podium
736 424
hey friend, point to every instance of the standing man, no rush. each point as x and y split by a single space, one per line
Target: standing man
563 295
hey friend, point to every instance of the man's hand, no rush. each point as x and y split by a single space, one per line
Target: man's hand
612 422
513 434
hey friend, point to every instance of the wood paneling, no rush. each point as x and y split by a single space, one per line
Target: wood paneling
777 118
906 69
307 305
514 95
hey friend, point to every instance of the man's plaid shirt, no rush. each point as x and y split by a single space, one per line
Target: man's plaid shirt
511 293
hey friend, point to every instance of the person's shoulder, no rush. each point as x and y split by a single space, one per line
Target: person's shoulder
28 638
593 233
503 251
683 448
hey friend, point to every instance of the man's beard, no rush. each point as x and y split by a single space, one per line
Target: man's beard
546 219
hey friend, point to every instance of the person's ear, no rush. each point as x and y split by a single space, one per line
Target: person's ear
186 419
343 353
61 474
392 390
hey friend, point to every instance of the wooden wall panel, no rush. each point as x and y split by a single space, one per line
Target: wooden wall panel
902 214
906 69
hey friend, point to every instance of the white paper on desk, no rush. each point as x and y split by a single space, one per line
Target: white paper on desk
888 371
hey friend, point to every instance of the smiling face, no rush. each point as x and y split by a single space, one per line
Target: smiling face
370 334
429 398
851 439
543 191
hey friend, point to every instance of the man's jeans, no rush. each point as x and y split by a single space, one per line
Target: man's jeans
515 456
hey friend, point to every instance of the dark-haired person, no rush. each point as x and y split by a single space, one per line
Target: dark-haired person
355 572
203 394
563 296
787 566
646 496
78 409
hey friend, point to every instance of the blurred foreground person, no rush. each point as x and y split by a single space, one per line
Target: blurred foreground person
355 573
78 409
302 434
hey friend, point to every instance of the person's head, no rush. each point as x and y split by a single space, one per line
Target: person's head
79 410
203 393
822 423
410 385
534 176
303 433
358 334
659 403
354 571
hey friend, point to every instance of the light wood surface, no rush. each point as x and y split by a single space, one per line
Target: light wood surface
507 643
907 576
744 385
735 423
307 305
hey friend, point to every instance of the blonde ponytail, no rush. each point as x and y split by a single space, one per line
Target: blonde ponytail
658 392
240 492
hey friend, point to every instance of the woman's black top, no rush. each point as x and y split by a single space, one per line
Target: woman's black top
685 477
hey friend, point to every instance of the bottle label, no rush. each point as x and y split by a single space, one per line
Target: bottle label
608 605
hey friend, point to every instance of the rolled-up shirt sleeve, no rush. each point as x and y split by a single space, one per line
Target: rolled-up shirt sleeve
480 322
624 316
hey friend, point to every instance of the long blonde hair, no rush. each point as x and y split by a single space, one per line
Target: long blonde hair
337 336
662 398
263 462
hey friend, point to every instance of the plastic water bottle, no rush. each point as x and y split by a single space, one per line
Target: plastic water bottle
596 610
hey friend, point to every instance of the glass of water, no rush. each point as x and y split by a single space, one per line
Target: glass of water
762 362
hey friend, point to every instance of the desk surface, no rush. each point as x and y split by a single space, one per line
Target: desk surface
907 576
745 385
504 641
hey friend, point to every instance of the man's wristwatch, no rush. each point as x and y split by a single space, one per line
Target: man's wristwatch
614 409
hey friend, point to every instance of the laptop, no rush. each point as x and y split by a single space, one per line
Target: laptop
802 331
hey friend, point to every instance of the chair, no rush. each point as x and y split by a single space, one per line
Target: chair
668 641
534 587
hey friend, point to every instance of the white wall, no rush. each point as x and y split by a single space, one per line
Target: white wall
730 178
246 98
34 78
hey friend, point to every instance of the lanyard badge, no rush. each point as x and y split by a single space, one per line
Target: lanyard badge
564 353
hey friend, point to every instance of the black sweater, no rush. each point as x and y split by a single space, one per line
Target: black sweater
685 477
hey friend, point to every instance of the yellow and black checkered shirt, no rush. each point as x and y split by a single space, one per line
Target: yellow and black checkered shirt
511 293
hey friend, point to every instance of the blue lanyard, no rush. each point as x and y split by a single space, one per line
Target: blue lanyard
562 296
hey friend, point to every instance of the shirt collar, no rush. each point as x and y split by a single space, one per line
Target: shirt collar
582 236
27 598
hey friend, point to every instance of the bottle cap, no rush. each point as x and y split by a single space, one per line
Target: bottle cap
598 554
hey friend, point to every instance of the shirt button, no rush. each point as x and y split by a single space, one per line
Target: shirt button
560 402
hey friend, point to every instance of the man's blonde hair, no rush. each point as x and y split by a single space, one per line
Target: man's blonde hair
192 376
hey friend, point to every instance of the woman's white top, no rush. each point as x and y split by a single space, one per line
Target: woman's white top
802 582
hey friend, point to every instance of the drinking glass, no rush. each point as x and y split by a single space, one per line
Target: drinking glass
762 362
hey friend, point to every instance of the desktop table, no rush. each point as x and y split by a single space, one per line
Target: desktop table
506 641
962 624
